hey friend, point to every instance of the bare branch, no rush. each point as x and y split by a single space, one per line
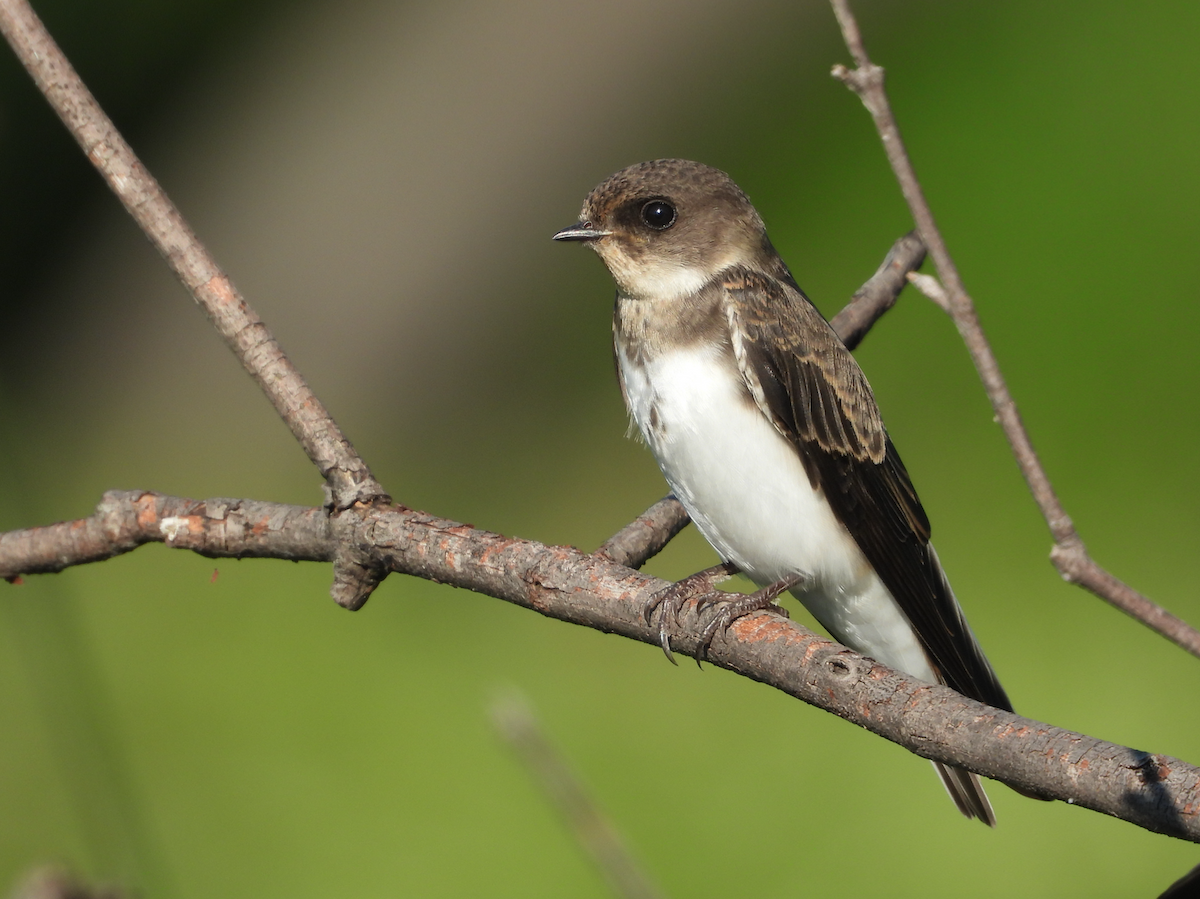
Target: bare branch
347 476
646 536
126 519
931 287
1156 792
1069 555
880 292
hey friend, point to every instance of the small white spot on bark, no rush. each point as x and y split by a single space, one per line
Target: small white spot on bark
173 527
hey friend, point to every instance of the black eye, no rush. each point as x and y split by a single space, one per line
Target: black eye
658 214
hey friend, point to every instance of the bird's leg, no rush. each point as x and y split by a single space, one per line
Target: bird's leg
672 598
733 609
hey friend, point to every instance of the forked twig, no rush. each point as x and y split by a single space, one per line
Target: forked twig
1069 555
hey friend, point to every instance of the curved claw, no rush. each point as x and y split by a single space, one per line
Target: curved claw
737 608
664 640
671 599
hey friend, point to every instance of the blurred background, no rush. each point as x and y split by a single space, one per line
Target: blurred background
381 179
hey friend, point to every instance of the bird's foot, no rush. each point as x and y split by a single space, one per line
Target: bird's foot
733 609
672 599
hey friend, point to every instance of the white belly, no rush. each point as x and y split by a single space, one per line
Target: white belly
747 492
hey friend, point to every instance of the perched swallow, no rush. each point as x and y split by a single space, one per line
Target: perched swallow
767 431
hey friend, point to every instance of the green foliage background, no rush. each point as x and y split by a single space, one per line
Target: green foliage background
243 737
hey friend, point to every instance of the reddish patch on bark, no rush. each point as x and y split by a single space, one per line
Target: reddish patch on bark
213 579
811 649
1010 731
16 580
147 511
765 628
485 557
221 289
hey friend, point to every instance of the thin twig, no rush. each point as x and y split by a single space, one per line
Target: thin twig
646 536
880 292
931 287
1152 791
516 722
1069 555
348 478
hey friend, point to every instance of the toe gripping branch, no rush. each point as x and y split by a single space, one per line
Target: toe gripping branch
701 588
641 540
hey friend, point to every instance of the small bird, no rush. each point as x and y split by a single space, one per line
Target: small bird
767 431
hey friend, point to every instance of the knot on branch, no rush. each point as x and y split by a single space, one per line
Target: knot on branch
128 518
353 583
1071 559
867 82
358 566
1149 769
349 485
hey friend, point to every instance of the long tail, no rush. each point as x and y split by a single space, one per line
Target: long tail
967 792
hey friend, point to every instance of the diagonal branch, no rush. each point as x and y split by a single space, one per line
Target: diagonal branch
1069 554
348 478
647 535
1156 792
880 292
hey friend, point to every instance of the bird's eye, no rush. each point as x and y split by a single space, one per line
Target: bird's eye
658 214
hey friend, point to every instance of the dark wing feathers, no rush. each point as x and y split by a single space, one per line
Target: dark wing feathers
806 381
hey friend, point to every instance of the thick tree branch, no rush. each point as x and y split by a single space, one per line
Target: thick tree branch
1069 554
1156 792
347 476
126 519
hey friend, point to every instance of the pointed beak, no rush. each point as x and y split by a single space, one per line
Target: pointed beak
585 231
